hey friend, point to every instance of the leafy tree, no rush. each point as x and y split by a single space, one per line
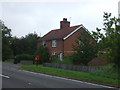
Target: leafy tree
31 39
85 49
42 51
25 45
6 41
110 40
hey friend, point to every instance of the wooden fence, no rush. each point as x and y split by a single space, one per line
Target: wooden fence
74 67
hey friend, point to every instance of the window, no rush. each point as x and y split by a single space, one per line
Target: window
53 53
54 44
43 43
81 43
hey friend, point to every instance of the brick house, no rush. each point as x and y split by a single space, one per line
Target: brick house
60 41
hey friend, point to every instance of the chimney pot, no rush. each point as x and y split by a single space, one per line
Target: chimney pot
64 23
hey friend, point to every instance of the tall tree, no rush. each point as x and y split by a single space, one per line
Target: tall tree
6 42
85 48
110 40
25 45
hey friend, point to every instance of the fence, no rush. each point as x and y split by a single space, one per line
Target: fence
74 67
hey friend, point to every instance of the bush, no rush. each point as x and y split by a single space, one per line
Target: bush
66 60
55 59
25 57
43 53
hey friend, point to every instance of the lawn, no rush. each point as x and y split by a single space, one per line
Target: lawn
102 77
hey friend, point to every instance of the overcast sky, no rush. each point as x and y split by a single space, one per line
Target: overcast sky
41 17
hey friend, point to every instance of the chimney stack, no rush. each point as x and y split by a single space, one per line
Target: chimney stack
64 23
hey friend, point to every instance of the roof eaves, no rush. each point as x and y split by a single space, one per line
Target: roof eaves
73 32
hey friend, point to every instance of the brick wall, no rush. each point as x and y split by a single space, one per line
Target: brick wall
70 41
68 44
58 49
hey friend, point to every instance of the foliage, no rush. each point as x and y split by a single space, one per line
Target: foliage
85 49
54 59
43 53
27 44
6 41
17 46
25 57
65 60
110 40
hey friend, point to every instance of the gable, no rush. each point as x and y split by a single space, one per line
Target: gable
59 33
76 31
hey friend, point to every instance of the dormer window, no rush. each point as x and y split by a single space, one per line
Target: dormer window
54 43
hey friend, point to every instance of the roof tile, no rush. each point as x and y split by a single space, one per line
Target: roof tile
58 33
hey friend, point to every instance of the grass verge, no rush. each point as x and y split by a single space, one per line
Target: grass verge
103 77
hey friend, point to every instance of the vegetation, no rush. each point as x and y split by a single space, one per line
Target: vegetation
65 60
42 51
6 41
25 57
110 40
25 45
107 78
22 47
85 49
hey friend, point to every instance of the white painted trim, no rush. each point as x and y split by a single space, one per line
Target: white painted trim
81 26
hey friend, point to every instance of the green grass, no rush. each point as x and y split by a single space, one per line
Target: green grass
103 77
8 61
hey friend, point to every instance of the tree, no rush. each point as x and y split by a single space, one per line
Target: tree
6 41
31 40
25 45
42 51
85 48
110 40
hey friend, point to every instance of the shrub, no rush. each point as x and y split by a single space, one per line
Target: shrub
55 59
43 53
25 57
66 60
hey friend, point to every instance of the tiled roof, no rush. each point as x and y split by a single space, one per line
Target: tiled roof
59 33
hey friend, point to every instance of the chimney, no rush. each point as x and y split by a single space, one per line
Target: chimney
64 23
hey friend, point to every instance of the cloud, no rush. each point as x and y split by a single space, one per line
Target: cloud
26 17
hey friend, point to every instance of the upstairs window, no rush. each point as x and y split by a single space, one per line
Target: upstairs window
43 43
54 44
80 42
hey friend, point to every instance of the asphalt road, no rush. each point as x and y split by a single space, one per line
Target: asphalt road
13 77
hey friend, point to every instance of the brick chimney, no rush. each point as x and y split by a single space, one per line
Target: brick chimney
64 23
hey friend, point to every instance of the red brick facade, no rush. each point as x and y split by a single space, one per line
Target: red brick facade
65 38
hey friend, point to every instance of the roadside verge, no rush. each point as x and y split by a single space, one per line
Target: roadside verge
109 80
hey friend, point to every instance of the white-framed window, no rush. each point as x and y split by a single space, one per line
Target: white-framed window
43 43
53 53
81 43
54 43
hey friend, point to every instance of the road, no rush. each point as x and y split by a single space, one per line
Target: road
13 77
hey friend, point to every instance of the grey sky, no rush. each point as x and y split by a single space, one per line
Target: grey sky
41 17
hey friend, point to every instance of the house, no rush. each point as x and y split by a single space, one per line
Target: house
60 41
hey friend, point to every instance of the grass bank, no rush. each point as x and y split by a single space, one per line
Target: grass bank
102 77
